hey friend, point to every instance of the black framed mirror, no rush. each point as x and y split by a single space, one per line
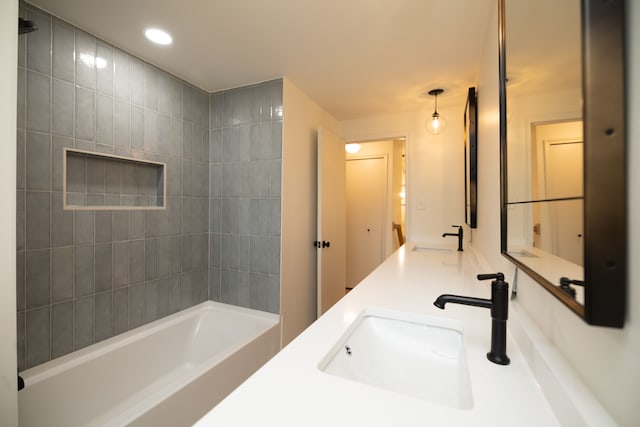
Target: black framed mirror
562 150
471 159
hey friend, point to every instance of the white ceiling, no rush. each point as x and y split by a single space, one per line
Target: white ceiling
355 58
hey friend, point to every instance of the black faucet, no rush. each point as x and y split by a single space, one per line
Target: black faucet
565 286
459 234
499 305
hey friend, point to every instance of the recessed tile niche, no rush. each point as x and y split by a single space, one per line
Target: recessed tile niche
96 181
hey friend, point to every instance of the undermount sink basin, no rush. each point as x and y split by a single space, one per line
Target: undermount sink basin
414 355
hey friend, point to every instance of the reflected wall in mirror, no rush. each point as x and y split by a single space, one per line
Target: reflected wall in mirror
562 139
471 159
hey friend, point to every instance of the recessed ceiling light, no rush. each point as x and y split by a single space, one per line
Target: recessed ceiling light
158 36
352 148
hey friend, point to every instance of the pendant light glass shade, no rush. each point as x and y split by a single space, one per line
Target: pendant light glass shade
436 122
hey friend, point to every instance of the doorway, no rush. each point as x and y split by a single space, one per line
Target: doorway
375 211
557 176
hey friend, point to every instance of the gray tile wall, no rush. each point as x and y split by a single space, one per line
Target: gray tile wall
83 276
245 174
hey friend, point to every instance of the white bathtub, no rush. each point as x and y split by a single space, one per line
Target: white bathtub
167 373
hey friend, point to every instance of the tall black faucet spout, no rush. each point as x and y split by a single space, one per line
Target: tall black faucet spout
459 235
457 299
499 305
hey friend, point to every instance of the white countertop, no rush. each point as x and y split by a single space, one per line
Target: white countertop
290 390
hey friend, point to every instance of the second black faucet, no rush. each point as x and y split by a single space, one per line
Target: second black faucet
459 234
499 305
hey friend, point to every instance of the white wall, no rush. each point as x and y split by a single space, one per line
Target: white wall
486 237
8 89
606 359
435 187
302 118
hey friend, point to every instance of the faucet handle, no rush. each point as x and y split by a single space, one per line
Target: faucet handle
456 226
498 276
565 281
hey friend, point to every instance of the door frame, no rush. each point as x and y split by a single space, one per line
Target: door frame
331 259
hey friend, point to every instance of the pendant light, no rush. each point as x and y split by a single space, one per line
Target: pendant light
436 123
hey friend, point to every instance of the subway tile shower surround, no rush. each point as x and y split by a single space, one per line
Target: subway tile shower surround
245 175
86 275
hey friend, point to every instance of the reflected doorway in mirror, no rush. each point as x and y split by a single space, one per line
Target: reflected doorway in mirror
557 173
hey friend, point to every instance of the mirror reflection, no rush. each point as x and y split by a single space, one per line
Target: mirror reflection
471 159
545 139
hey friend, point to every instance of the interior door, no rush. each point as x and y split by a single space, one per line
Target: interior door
563 172
366 206
558 174
331 241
